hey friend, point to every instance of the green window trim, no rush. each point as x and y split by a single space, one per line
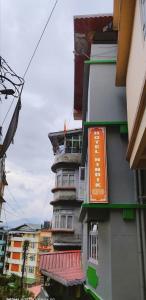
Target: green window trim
114 206
100 61
94 295
105 123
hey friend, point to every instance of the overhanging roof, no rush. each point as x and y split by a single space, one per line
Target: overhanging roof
63 267
123 22
85 27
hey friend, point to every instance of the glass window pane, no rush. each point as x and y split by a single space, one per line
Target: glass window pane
71 180
65 180
58 177
63 222
69 222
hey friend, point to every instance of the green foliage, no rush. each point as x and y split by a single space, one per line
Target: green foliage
10 287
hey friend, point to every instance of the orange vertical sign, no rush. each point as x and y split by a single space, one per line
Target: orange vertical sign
97 165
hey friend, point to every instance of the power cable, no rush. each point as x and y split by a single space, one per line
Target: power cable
34 52
5 215
8 112
12 196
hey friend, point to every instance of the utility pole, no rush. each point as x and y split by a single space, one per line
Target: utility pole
25 248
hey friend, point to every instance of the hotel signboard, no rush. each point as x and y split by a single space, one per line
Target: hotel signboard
97 165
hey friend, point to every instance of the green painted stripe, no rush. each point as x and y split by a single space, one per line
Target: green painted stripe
100 61
105 123
113 206
94 295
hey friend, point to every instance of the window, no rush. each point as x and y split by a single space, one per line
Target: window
73 144
69 222
65 178
31 269
32 245
143 15
59 180
32 257
64 219
82 182
93 242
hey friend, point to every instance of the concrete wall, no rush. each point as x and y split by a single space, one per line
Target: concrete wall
118 259
118 265
105 101
120 177
75 236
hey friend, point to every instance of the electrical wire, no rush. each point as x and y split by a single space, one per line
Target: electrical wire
5 215
7 112
37 45
12 196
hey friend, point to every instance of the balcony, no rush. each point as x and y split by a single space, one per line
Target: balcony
15 261
69 159
64 193
14 249
21 239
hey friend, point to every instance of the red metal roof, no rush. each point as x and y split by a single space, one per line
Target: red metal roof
63 266
35 290
84 30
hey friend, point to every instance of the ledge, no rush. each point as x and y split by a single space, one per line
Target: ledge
105 208
60 188
60 230
100 61
74 202
105 123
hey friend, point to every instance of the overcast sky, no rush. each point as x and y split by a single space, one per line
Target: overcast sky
47 98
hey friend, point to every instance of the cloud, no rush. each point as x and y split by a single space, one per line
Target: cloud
47 98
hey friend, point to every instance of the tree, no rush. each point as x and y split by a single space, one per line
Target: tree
10 287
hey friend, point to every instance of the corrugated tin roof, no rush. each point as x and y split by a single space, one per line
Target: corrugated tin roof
35 290
63 266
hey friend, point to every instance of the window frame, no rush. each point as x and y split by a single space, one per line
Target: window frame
58 214
70 178
93 252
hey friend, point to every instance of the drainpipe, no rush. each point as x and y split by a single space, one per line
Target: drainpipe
140 235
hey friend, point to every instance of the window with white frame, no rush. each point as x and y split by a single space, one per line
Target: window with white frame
93 242
143 15
31 269
73 144
32 257
63 219
32 245
65 178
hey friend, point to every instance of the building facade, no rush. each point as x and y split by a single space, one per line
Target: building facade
111 258
14 252
130 73
3 238
66 202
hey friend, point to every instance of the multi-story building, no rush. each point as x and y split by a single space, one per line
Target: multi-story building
45 240
3 238
3 181
14 252
129 19
66 228
112 247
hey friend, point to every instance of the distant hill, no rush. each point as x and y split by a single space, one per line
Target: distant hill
18 222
